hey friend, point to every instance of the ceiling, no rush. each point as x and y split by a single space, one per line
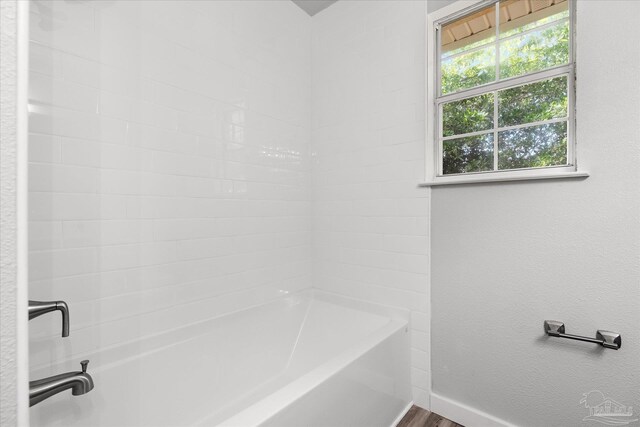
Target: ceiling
313 6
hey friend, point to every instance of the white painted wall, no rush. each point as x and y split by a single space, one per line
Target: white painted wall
13 229
169 174
8 212
505 257
370 219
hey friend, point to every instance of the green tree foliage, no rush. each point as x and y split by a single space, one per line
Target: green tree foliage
468 115
468 70
544 100
532 147
469 154
535 51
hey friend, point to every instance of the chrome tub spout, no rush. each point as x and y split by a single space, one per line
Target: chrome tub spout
80 382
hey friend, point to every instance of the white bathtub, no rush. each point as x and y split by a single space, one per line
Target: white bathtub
310 359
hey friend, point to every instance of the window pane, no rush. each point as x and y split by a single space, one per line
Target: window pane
468 115
469 154
469 69
535 51
532 147
533 102
546 13
468 52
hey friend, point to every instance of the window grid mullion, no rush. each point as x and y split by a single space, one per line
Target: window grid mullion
571 119
440 132
467 135
524 79
495 130
439 109
497 6
538 28
495 93
466 52
506 128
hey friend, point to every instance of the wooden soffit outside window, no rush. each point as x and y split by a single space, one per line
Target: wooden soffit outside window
481 25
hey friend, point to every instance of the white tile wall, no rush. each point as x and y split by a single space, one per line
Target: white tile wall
169 164
370 220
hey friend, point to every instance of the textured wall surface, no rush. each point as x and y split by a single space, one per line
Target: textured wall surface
8 219
505 257
370 219
169 172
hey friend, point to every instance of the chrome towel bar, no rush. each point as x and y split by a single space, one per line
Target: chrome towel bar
607 339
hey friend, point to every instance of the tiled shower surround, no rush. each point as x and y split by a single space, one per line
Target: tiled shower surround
371 221
169 176
192 158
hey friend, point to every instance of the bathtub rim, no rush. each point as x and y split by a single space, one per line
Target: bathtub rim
109 361
393 312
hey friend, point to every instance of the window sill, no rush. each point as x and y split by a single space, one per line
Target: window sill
465 180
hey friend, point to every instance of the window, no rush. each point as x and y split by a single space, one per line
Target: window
502 90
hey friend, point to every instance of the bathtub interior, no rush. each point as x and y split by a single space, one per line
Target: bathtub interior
323 330
371 391
209 371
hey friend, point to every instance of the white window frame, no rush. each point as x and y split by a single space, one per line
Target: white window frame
434 103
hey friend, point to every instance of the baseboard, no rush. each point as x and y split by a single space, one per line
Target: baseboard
402 414
463 414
